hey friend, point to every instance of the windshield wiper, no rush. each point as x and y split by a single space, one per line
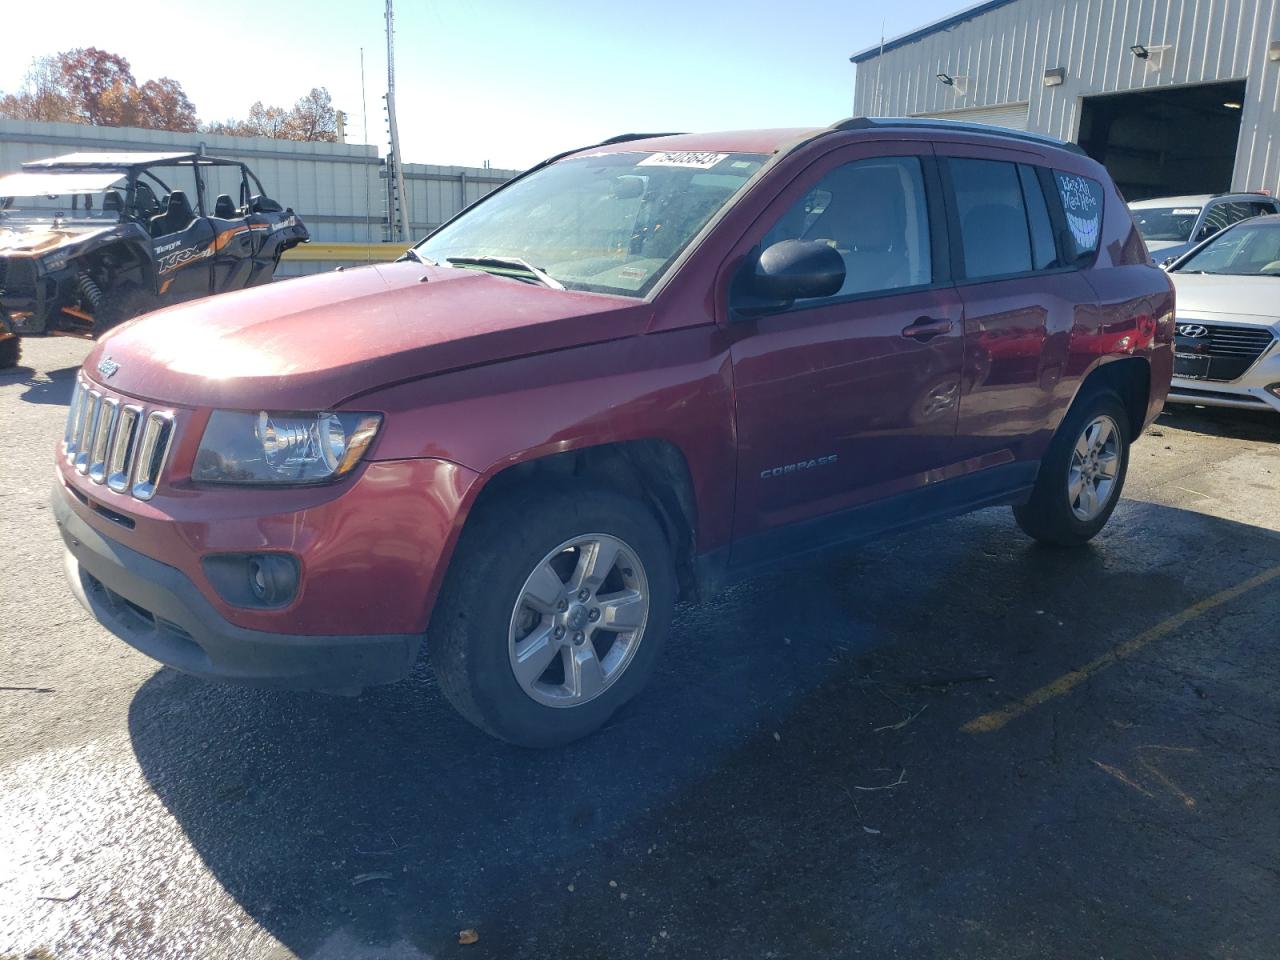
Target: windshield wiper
508 263
413 254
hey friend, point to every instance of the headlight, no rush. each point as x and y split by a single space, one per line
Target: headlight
264 447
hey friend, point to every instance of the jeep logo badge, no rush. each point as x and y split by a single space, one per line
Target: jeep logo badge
107 367
1193 330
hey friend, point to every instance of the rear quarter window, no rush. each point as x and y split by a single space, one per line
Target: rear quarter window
1082 206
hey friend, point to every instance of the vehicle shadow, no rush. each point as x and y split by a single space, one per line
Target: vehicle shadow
53 387
1259 425
725 801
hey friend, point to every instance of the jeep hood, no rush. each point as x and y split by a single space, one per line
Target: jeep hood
314 342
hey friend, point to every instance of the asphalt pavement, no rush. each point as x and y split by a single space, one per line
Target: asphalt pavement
952 743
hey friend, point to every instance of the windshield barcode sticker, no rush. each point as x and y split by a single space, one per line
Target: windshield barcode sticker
686 158
1186 211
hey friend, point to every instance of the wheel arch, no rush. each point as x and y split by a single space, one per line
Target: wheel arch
653 471
1127 377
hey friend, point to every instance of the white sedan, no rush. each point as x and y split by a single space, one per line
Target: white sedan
1227 350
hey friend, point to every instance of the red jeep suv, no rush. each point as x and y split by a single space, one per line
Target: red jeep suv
634 371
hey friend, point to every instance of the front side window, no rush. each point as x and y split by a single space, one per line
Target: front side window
610 223
1217 217
874 214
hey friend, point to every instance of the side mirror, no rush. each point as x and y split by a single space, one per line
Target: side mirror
797 270
1207 231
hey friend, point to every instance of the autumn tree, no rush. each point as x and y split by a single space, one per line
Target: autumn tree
164 105
93 86
41 97
311 118
100 84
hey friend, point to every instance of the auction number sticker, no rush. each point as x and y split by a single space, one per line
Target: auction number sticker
684 158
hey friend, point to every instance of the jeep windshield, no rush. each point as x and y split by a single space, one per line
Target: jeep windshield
1248 250
64 198
1166 223
610 223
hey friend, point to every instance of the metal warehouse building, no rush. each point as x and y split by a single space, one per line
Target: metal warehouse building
1173 96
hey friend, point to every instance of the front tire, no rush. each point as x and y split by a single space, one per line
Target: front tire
553 613
121 305
1081 475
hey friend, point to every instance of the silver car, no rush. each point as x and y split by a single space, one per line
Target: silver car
1171 226
1227 346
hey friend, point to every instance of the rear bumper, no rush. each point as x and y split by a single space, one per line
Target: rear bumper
156 609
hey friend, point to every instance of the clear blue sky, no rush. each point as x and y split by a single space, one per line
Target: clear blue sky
505 81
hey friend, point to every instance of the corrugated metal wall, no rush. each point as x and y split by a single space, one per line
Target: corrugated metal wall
337 188
1003 53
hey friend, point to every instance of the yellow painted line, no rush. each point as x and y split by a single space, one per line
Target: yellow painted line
990 722
345 252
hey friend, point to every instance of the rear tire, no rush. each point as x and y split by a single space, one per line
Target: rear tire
1082 474
553 613
10 352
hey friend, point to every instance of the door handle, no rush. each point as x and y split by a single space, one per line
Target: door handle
926 328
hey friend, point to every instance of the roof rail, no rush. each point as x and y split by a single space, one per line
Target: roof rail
625 137
927 123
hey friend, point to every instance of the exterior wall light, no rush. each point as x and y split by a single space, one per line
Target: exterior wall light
946 80
1273 51
1152 56
1055 77
959 84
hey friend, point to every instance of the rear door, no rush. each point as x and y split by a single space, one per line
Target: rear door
851 398
233 241
1020 300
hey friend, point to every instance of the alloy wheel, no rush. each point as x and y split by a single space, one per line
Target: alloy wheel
578 620
1095 465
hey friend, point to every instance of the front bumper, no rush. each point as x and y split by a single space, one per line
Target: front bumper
1248 392
156 609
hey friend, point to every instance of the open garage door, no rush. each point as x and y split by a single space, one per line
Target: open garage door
1166 142
1012 115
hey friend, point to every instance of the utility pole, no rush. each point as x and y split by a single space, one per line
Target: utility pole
364 119
397 206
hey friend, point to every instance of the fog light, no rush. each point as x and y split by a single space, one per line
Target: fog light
254 579
272 578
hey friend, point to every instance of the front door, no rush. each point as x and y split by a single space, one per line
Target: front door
853 398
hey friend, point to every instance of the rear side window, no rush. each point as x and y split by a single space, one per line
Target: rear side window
993 218
1044 251
1082 206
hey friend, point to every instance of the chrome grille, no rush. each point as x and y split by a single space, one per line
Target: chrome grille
1210 351
123 447
116 443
